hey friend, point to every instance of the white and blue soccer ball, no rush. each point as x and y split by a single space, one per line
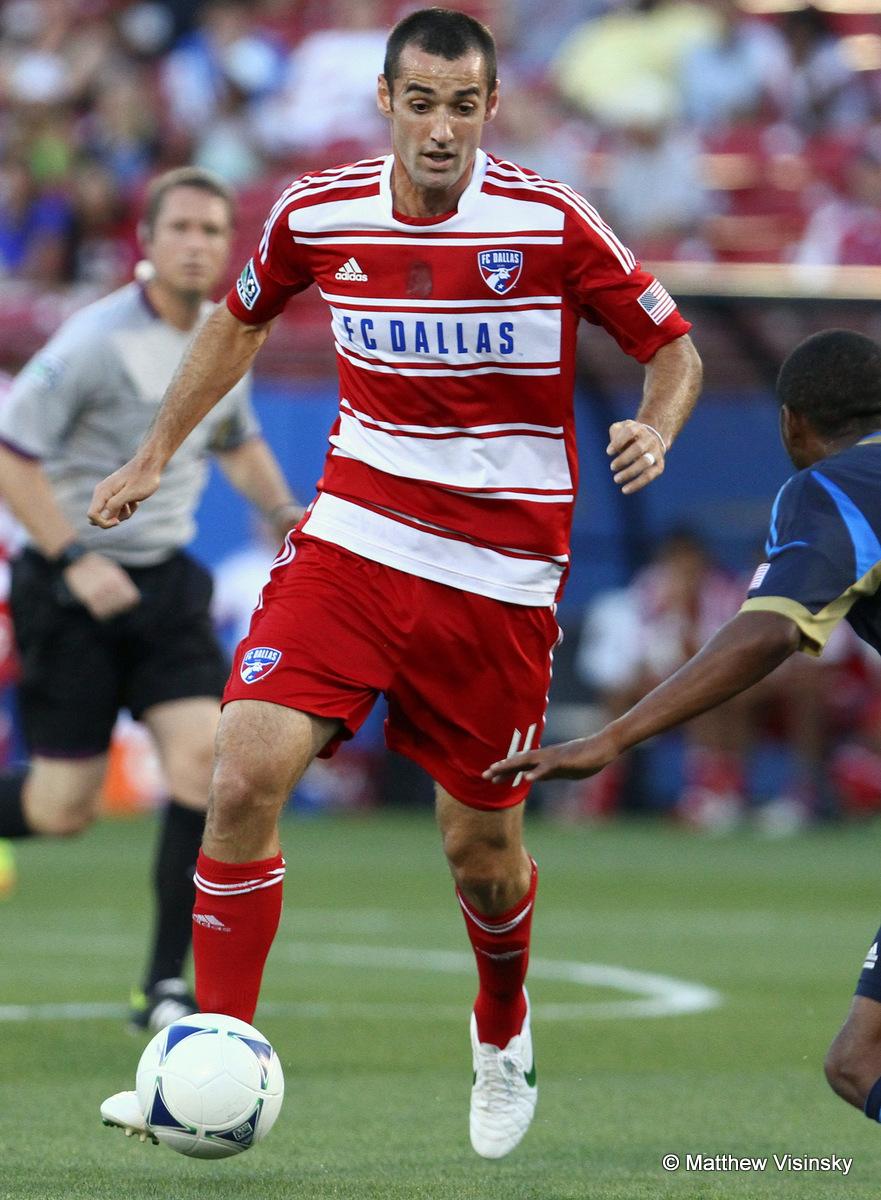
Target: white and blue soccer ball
210 1086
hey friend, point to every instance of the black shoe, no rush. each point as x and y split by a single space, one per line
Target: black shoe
167 1001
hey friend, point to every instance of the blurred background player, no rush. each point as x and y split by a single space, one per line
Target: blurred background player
429 565
10 542
823 566
126 624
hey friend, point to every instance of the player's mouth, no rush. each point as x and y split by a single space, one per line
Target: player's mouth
440 158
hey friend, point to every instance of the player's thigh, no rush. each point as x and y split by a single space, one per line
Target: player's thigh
184 733
62 796
473 686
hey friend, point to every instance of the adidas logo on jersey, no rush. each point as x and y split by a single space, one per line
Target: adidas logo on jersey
350 271
871 958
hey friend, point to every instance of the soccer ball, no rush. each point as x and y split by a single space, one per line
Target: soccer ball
210 1086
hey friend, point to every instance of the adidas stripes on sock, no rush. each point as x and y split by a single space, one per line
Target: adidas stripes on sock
501 947
175 865
238 907
13 823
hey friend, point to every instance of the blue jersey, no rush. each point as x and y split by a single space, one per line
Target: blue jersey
824 548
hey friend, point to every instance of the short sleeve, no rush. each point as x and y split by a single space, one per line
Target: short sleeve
815 568
278 269
607 286
48 393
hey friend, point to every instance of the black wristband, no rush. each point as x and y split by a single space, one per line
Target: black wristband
71 553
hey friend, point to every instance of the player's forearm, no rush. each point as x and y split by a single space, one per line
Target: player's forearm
29 495
672 385
253 470
221 353
744 651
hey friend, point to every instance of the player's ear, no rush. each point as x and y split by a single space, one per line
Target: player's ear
383 96
492 102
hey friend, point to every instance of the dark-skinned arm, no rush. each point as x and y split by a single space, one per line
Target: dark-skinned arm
744 651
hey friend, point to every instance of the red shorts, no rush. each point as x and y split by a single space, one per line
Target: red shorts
466 677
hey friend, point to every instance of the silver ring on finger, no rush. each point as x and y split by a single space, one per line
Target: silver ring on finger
650 458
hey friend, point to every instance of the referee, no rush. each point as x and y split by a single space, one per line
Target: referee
126 625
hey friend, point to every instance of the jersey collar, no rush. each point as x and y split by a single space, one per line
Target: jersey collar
466 201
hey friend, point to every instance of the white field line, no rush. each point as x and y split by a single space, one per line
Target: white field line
655 995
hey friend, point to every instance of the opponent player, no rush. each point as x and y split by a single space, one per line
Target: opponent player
824 565
429 564
126 623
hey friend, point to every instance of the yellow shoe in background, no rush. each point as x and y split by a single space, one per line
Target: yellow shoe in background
8 872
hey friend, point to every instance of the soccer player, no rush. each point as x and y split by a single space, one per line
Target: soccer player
824 565
106 621
430 562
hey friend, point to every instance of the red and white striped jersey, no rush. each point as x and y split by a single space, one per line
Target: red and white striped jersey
453 456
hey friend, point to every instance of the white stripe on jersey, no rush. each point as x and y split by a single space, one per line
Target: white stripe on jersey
357 175
469 460
352 239
556 498
508 176
515 580
444 431
441 373
393 303
300 188
400 339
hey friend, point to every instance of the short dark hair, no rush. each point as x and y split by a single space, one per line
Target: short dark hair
443 32
834 379
192 177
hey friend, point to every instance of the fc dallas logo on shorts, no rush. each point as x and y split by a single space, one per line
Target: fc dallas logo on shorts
258 663
500 269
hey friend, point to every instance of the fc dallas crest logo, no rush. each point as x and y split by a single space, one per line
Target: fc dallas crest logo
500 269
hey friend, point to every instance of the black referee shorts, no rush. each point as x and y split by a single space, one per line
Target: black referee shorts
77 673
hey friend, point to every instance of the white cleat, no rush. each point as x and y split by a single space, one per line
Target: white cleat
124 1112
504 1093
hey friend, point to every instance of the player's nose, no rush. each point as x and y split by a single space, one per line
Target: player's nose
442 131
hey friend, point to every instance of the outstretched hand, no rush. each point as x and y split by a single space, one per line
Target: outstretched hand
117 497
567 760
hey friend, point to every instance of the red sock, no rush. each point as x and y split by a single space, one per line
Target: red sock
237 910
501 947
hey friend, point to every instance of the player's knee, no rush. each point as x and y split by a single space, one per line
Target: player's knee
60 798
483 873
61 819
239 794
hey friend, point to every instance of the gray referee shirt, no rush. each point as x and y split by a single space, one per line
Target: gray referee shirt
85 401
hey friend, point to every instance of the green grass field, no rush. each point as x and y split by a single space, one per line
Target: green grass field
367 995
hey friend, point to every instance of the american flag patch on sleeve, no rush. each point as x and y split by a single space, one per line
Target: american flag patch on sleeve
761 572
657 302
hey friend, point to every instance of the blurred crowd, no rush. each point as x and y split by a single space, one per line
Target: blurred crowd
700 129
